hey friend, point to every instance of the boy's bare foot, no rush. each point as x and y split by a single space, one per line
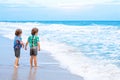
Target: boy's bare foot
18 64
31 66
35 66
15 66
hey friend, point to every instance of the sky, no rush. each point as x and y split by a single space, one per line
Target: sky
23 10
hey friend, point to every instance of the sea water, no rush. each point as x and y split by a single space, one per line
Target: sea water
90 49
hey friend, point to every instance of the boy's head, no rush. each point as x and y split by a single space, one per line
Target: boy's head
34 31
18 32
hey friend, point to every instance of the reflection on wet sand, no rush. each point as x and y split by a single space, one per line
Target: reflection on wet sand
15 74
32 74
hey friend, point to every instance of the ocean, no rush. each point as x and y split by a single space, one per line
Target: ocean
85 48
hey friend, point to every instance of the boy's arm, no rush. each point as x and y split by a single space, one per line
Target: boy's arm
39 46
18 41
21 42
26 45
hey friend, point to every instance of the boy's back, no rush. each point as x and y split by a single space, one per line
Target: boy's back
34 44
33 40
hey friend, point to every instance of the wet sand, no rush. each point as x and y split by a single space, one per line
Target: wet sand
48 68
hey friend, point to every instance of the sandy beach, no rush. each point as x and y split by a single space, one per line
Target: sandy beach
48 68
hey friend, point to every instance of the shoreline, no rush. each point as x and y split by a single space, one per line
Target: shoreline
48 68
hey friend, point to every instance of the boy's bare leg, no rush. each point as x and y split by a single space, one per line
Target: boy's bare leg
35 61
16 62
31 61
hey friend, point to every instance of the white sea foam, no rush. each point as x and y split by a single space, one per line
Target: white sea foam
71 45
80 65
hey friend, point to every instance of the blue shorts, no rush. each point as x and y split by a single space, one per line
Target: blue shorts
17 52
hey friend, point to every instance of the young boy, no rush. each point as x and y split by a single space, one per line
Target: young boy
18 43
34 43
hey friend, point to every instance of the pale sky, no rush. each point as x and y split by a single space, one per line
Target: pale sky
60 9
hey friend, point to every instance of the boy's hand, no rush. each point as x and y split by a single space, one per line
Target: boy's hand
38 49
26 45
38 46
25 48
23 45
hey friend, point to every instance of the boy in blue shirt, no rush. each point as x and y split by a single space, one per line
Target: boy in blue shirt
18 43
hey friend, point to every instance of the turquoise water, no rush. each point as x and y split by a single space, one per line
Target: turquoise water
75 23
82 23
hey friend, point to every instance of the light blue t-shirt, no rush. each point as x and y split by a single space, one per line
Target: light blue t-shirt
17 41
